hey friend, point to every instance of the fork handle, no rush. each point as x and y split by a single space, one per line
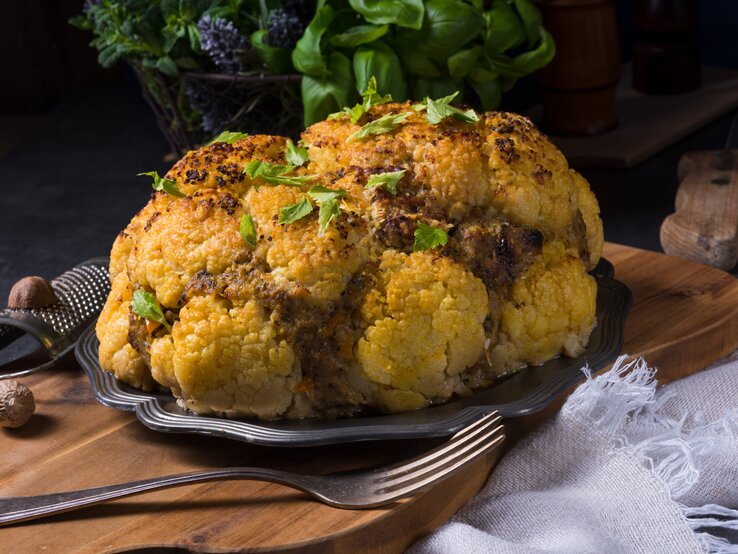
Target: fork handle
24 508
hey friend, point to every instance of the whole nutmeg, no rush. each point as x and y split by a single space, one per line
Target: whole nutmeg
16 404
31 292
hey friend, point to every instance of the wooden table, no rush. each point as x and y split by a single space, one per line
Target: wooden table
684 317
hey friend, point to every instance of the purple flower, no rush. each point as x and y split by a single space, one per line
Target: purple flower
222 41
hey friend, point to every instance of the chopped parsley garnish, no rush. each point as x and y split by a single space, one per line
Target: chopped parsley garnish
440 109
427 237
296 155
384 124
229 137
275 174
370 98
160 183
145 304
293 212
387 180
329 201
248 230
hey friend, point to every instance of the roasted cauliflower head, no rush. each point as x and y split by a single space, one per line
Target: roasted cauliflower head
390 264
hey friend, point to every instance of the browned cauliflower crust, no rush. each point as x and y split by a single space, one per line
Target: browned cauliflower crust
326 324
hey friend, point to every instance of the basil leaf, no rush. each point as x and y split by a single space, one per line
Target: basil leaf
447 27
384 124
160 183
307 56
295 155
440 109
321 194
277 60
145 304
403 13
361 34
416 62
504 29
380 61
488 91
229 137
528 62
532 20
323 95
461 63
427 237
248 230
329 210
275 174
433 88
387 180
293 212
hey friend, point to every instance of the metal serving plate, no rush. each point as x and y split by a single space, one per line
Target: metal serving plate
525 392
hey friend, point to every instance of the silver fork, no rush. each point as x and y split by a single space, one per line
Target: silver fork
365 489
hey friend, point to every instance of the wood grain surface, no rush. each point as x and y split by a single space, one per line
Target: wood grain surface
684 317
704 227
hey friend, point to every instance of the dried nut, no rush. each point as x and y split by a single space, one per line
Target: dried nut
31 292
16 404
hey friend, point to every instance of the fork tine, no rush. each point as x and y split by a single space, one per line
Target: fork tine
489 420
412 482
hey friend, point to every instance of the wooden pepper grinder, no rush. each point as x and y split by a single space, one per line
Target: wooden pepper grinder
666 58
578 86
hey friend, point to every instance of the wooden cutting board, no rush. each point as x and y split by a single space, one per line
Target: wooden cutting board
684 317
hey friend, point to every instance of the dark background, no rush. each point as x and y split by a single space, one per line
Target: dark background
74 135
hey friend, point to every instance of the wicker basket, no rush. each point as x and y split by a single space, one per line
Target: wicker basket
255 104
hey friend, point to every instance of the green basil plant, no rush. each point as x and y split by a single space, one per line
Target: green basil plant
418 49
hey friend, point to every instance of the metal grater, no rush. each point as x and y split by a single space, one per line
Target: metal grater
81 294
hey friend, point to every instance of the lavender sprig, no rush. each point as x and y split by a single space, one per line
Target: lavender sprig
223 42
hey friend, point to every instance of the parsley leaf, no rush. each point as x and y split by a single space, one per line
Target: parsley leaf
275 174
229 137
293 212
428 237
145 304
370 98
160 183
387 180
441 108
330 205
328 211
384 124
248 230
296 155
319 193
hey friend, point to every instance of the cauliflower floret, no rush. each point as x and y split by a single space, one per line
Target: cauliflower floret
552 310
298 256
529 177
427 329
116 355
183 237
123 246
220 165
228 359
590 209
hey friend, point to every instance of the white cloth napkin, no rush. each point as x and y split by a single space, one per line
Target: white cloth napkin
624 467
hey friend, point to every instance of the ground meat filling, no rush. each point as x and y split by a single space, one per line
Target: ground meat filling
497 254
